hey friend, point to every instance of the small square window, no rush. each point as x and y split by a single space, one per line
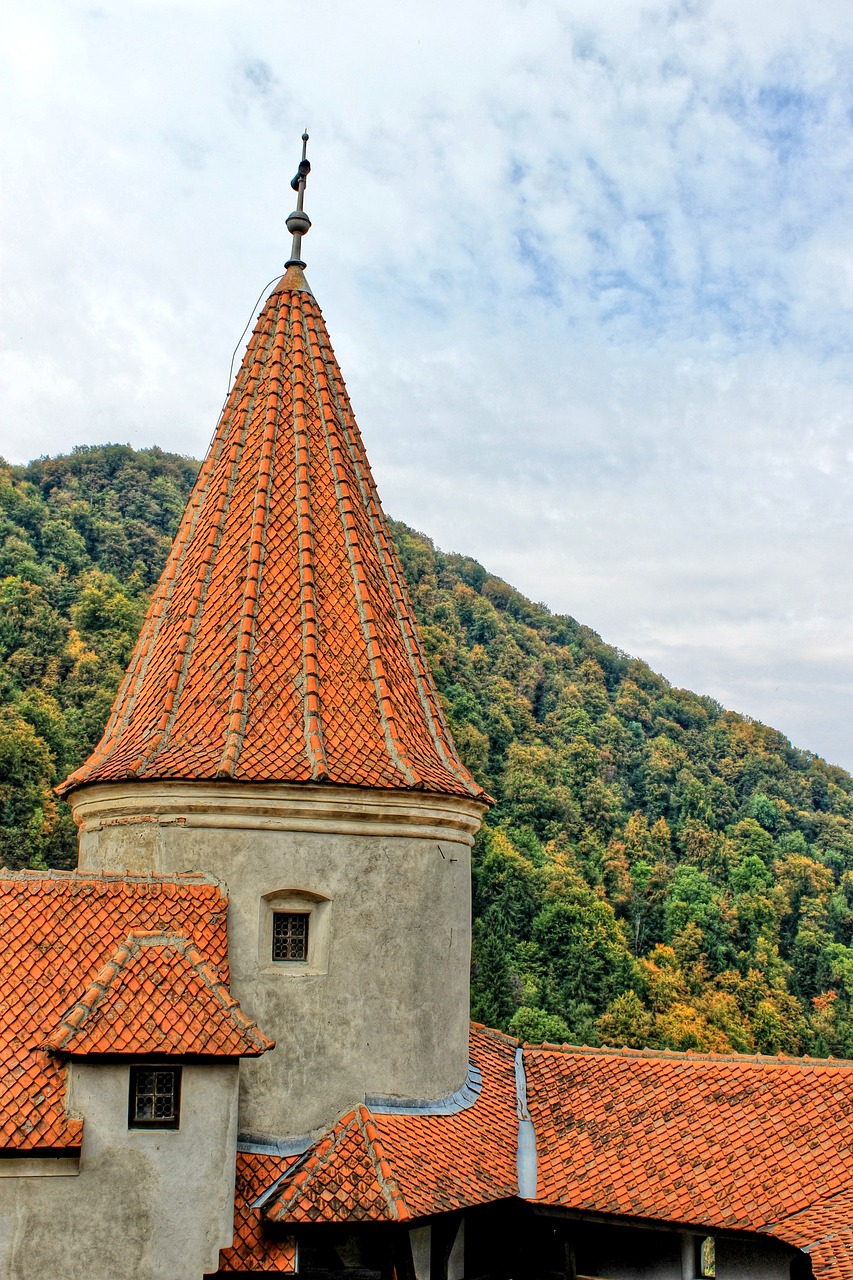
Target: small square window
155 1097
290 935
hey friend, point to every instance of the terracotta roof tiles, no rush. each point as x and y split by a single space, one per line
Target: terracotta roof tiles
720 1142
824 1231
257 1246
59 931
157 994
345 1177
399 1166
280 644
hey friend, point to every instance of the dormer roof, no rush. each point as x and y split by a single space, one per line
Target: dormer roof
280 644
75 944
158 994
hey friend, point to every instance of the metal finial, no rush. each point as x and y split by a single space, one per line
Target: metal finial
299 224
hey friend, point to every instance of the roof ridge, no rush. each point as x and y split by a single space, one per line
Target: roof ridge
73 1021
302 1170
364 604
499 1037
384 1173
689 1055
239 704
392 570
180 879
204 572
311 669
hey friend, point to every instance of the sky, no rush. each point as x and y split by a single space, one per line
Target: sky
587 268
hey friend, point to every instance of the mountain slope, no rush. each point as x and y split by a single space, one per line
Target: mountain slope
656 870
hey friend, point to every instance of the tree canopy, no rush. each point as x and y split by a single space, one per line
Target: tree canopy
656 870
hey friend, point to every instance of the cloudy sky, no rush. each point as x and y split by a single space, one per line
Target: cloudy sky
588 269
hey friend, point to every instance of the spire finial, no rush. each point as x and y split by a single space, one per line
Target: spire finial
299 223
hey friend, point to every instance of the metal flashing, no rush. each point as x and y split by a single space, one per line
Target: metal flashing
459 1100
526 1160
253 1144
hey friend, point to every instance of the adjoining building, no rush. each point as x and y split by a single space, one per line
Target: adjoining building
236 1041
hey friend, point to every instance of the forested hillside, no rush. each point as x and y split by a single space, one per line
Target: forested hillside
656 870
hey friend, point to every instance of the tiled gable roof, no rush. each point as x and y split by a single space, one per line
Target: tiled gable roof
280 644
405 1165
345 1177
720 1142
158 994
58 932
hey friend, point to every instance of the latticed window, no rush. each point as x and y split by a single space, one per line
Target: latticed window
155 1097
290 935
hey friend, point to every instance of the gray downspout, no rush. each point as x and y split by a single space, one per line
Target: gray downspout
526 1158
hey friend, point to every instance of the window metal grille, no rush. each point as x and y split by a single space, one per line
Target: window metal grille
290 935
155 1097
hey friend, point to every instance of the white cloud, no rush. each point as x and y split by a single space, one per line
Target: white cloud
588 270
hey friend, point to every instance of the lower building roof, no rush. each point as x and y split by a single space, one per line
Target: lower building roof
704 1142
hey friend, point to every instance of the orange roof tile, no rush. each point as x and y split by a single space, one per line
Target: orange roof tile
721 1142
345 1177
157 994
280 644
825 1232
754 1144
58 931
257 1246
398 1166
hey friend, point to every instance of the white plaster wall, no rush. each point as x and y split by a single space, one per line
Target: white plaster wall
389 1016
146 1205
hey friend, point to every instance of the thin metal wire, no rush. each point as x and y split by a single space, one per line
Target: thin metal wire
252 315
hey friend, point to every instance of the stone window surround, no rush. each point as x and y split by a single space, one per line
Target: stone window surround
305 902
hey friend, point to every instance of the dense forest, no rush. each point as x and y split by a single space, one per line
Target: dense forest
656 870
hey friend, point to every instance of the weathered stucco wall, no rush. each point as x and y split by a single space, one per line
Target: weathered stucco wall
382 1007
146 1204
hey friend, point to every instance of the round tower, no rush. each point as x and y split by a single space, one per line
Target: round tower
279 728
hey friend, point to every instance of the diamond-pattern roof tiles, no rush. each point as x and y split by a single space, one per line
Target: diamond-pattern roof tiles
59 930
374 1165
157 994
257 1247
721 1142
825 1232
280 644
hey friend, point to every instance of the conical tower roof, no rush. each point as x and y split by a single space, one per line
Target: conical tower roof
280 644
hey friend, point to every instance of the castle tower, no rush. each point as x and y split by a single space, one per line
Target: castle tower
278 727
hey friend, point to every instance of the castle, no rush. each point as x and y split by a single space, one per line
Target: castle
235 1041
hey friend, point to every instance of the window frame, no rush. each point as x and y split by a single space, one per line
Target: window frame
290 915
156 1122
292 901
